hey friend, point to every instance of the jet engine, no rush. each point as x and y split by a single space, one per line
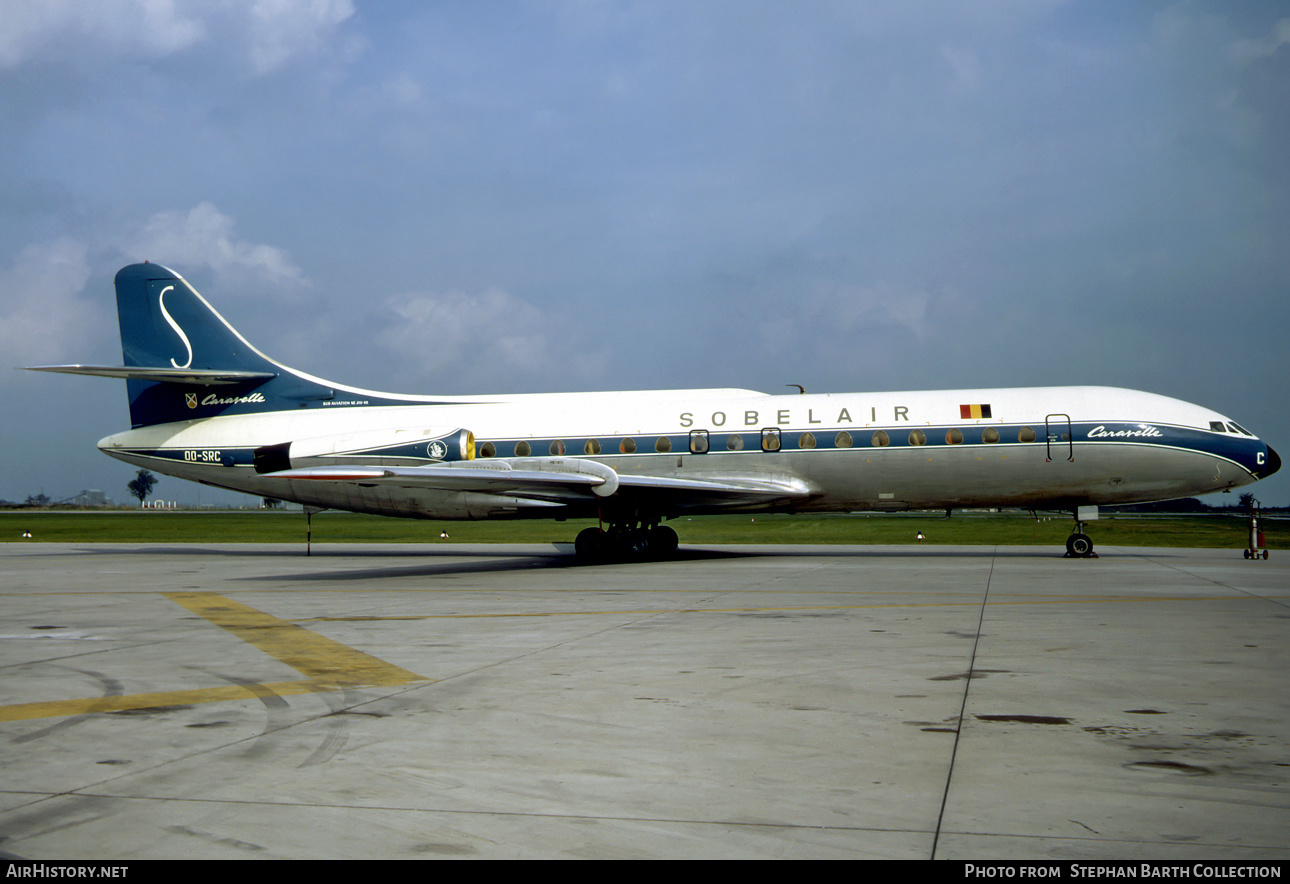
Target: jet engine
393 447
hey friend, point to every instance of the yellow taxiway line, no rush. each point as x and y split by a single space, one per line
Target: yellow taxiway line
326 664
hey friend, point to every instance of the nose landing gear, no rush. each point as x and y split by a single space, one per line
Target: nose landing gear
1079 545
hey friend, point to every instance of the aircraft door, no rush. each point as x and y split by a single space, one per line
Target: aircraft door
1059 438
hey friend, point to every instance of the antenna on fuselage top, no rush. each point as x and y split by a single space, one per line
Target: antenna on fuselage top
800 388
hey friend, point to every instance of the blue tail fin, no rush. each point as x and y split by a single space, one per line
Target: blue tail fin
184 361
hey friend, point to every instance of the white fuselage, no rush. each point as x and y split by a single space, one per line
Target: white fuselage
1038 447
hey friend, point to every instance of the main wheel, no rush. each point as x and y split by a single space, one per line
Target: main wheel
663 542
589 544
637 546
1080 545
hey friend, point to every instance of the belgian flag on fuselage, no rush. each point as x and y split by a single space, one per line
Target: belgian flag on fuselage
974 412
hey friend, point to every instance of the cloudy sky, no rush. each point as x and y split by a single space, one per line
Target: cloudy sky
463 197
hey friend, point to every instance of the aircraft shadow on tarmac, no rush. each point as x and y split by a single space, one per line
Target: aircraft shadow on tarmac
473 559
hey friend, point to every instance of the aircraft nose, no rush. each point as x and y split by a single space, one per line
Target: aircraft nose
1274 463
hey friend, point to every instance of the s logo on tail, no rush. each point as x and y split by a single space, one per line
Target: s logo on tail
161 302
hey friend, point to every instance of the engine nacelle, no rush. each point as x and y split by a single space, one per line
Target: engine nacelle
396 446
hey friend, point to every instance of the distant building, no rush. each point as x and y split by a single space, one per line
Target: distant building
88 498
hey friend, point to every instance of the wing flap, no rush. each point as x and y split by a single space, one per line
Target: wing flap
719 490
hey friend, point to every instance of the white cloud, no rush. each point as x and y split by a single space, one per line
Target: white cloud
1245 50
492 340
203 236
966 65
44 318
152 28
281 29
266 33
875 326
47 317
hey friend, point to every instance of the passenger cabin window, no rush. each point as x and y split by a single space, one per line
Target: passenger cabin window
806 440
953 437
989 435
557 448
627 446
770 439
698 441
663 444
522 449
488 449
735 442
842 440
880 439
917 437
1026 434
592 447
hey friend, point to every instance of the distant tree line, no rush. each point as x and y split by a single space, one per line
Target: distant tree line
1243 504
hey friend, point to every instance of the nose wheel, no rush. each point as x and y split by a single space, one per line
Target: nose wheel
1080 546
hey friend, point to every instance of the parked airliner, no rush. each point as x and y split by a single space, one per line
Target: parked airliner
206 405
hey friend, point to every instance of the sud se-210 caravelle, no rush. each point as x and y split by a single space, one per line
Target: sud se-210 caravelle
207 406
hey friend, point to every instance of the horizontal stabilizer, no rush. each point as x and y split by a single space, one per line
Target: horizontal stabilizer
202 377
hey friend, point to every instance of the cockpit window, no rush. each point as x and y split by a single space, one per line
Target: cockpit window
1238 428
1217 427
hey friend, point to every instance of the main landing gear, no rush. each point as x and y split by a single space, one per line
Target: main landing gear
1079 545
636 540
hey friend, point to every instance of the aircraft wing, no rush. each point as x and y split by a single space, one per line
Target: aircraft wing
554 480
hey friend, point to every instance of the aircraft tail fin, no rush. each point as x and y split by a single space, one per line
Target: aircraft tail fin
184 361
166 324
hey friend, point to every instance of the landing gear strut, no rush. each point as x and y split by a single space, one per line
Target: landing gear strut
1079 545
634 539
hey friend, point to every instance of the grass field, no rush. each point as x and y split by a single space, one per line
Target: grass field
160 526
